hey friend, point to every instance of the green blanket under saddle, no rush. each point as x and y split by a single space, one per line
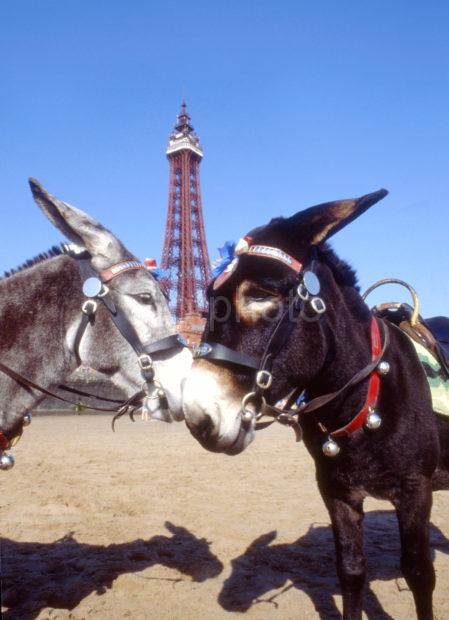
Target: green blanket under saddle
438 382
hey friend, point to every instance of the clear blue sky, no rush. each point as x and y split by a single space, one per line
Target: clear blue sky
295 103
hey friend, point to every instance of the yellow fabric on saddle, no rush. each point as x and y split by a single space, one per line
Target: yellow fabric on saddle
436 378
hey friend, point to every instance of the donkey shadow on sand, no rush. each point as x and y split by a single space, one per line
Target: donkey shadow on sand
61 574
308 564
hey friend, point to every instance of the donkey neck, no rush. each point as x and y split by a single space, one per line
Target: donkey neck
347 330
37 306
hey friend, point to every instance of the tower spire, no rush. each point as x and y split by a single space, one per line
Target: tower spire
185 255
183 120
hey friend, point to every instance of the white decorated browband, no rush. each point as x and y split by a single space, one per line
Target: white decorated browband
115 270
244 246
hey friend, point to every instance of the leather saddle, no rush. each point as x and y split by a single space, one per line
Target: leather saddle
431 333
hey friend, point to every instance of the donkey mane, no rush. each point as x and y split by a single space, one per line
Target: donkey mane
343 273
40 258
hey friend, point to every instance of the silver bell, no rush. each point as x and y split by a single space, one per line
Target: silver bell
26 420
6 461
331 447
383 368
373 421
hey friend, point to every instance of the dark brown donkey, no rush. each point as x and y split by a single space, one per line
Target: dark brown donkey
286 316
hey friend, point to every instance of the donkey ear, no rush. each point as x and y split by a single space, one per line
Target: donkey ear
78 226
318 223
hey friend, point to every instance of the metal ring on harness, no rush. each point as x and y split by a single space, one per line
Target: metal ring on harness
89 307
248 414
157 392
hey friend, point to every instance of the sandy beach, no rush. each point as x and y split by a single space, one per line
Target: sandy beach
143 523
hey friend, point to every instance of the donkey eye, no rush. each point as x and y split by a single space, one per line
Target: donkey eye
259 294
145 298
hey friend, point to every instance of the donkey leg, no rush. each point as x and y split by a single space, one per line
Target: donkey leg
347 524
413 512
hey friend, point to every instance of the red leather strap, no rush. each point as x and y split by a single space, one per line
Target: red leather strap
5 443
373 389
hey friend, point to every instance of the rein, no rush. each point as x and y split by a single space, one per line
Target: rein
94 289
366 416
308 306
26 383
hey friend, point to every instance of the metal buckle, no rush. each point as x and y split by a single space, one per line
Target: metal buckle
201 350
104 291
318 305
145 362
89 307
302 291
264 379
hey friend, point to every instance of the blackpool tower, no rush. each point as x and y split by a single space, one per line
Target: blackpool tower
185 258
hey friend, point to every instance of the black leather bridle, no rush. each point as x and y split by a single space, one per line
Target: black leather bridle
304 303
145 352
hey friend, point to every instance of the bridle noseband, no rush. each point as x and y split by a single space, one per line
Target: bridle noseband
304 304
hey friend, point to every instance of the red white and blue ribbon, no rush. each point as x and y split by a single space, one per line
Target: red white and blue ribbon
227 253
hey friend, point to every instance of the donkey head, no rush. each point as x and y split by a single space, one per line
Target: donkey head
134 294
252 312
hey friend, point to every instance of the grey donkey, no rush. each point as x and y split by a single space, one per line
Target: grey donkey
41 313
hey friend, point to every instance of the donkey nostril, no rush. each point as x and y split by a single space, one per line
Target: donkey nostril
205 428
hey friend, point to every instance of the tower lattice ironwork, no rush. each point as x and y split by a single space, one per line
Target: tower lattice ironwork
184 255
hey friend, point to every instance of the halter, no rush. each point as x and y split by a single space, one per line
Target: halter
305 304
95 290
